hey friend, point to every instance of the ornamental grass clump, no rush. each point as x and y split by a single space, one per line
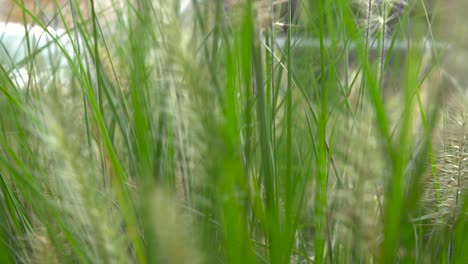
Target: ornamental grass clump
234 132
447 186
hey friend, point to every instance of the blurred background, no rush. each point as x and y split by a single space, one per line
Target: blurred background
198 131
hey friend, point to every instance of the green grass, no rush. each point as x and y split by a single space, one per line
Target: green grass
195 138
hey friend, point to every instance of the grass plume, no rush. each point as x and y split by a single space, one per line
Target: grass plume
231 132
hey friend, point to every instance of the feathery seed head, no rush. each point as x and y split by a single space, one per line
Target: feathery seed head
376 16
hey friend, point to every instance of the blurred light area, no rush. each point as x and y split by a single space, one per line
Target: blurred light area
34 54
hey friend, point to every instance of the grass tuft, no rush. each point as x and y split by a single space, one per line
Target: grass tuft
232 132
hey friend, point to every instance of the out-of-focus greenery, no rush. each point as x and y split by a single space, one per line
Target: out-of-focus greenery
194 137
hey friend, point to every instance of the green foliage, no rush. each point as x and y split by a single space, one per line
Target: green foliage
195 137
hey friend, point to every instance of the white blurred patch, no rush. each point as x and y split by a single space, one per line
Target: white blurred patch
185 6
35 56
